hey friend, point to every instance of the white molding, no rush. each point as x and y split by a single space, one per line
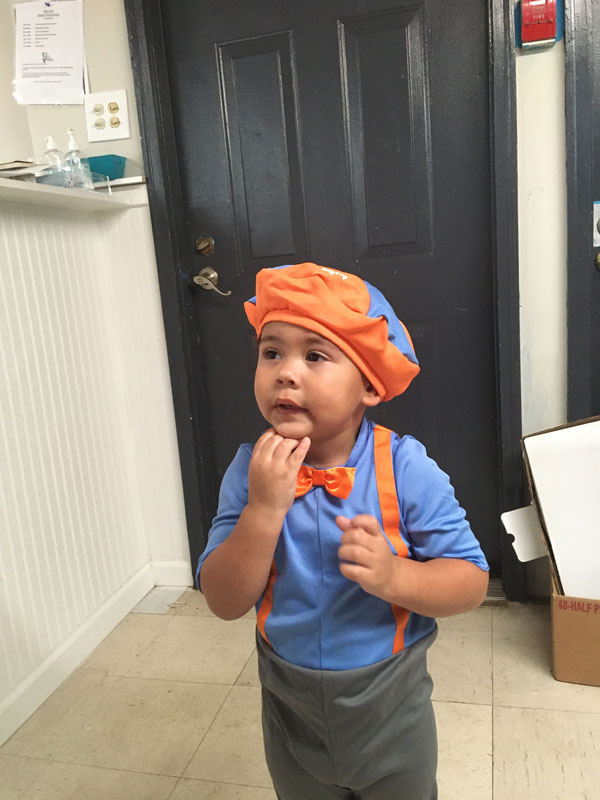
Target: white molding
32 692
172 573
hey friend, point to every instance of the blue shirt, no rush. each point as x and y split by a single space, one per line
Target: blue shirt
319 619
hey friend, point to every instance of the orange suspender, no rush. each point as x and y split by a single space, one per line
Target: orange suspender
267 604
390 515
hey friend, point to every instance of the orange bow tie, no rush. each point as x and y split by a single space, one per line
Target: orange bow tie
338 481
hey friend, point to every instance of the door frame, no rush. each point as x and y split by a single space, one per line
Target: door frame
579 118
173 256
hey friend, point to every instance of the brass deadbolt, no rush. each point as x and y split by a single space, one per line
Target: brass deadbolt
205 245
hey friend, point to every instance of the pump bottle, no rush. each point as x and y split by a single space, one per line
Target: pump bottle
77 166
52 156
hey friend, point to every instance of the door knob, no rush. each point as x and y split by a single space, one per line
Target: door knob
208 279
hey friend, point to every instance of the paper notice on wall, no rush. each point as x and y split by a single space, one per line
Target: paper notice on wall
49 52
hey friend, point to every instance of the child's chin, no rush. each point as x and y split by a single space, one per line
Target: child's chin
288 432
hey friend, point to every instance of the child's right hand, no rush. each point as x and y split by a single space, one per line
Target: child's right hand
273 471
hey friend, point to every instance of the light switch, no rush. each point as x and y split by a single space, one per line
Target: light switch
107 116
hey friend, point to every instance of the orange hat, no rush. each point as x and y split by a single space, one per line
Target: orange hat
343 308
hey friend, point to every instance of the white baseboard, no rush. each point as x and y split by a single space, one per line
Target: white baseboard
172 573
32 692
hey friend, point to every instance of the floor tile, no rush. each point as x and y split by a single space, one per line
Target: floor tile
159 600
203 649
232 750
480 619
249 675
145 725
522 671
554 755
207 790
460 663
464 751
65 712
177 693
73 782
17 774
522 618
193 604
118 652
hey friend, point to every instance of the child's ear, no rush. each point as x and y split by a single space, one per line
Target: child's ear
370 398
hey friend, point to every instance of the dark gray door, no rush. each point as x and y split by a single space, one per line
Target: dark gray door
352 133
582 18
592 312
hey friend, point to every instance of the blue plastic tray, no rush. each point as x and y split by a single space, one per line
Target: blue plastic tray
110 166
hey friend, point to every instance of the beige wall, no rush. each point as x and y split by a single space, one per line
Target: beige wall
109 67
542 236
542 250
94 515
15 137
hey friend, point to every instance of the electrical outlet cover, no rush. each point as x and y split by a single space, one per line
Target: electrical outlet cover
107 116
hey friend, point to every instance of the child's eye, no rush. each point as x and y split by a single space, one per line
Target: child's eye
313 356
269 353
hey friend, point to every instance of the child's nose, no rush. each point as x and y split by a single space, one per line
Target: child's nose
287 374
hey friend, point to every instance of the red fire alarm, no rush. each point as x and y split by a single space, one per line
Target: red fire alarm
538 22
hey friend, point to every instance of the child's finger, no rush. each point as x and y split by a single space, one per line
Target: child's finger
299 453
343 523
358 537
272 444
367 523
354 572
354 554
260 442
286 450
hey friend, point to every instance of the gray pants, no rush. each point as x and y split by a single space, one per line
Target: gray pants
366 733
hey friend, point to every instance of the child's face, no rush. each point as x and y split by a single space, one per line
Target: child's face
306 386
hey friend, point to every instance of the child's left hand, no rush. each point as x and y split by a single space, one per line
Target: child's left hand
365 555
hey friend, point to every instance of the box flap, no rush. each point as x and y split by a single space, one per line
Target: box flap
563 466
524 525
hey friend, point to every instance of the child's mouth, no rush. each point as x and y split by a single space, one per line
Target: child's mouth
288 407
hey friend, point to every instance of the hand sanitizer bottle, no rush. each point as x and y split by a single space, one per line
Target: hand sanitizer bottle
52 156
77 166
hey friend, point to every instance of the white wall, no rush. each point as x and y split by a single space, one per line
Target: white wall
15 137
142 374
109 66
542 236
542 250
92 513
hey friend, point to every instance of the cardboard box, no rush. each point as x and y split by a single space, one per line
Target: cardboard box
563 522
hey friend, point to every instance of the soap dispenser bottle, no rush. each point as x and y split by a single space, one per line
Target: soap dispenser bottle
52 156
77 166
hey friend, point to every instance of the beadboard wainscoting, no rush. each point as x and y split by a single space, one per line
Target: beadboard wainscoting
91 509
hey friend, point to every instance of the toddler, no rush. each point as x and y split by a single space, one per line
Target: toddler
347 538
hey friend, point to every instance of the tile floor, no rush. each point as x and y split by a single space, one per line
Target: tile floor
167 708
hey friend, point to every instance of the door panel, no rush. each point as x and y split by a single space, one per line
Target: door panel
388 132
260 104
351 134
